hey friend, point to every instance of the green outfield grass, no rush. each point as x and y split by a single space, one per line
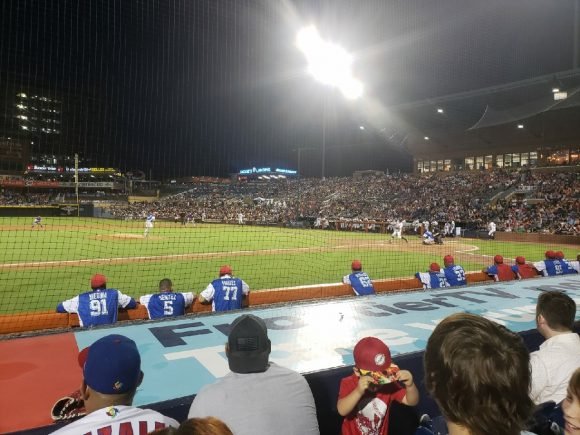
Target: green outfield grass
265 257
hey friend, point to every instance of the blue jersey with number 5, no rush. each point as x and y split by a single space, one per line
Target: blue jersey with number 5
455 275
166 305
228 294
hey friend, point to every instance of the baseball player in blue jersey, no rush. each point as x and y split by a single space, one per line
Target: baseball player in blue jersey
149 224
433 278
98 306
166 303
37 222
359 281
428 238
554 265
455 274
225 293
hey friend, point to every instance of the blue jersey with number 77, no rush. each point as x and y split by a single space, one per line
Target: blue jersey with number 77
228 293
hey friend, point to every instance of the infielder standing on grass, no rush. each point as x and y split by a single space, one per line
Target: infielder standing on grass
359 280
37 222
166 303
149 223
225 293
98 306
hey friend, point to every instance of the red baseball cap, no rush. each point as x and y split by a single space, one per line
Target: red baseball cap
98 280
372 354
356 265
448 259
498 259
550 254
520 260
559 255
434 267
225 270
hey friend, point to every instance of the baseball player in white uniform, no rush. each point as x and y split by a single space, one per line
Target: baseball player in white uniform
398 230
149 224
491 228
37 222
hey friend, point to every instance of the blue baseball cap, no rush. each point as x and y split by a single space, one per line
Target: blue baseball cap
111 365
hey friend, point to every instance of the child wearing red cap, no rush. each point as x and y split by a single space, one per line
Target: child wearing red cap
500 271
365 397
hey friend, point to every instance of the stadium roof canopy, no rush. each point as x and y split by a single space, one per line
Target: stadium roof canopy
488 119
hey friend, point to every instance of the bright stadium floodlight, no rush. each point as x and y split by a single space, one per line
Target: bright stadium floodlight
331 65
328 63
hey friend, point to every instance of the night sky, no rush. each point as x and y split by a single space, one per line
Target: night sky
208 87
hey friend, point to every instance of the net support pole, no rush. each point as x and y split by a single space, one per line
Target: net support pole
77 184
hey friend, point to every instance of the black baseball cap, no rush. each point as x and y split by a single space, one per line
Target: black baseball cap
249 345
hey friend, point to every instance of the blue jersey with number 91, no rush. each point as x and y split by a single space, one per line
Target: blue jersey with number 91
98 307
228 294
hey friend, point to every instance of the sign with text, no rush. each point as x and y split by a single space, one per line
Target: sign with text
188 353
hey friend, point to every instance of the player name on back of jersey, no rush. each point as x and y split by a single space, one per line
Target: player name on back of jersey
167 297
97 295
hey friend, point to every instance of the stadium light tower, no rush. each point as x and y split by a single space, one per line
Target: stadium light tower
331 65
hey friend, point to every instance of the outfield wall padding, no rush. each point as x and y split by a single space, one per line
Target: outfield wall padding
42 320
546 239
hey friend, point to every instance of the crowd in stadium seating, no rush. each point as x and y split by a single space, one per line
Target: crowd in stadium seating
518 201
539 202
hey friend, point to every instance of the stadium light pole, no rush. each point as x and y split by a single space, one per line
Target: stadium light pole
330 65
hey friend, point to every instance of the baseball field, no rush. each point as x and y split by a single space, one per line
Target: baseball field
41 266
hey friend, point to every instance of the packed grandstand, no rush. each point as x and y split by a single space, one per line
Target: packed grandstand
521 200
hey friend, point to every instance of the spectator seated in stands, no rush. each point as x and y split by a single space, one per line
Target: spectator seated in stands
98 306
500 271
112 373
366 396
166 303
257 396
571 405
478 373
552 266
433 278
197 426
455 274
359 281
524 270
553 364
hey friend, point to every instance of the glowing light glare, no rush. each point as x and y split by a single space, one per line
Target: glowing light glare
352 89
520 125
328 63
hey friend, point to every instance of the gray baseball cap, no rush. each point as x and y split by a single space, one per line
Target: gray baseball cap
249 345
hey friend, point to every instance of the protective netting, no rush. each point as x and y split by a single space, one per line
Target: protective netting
200 114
